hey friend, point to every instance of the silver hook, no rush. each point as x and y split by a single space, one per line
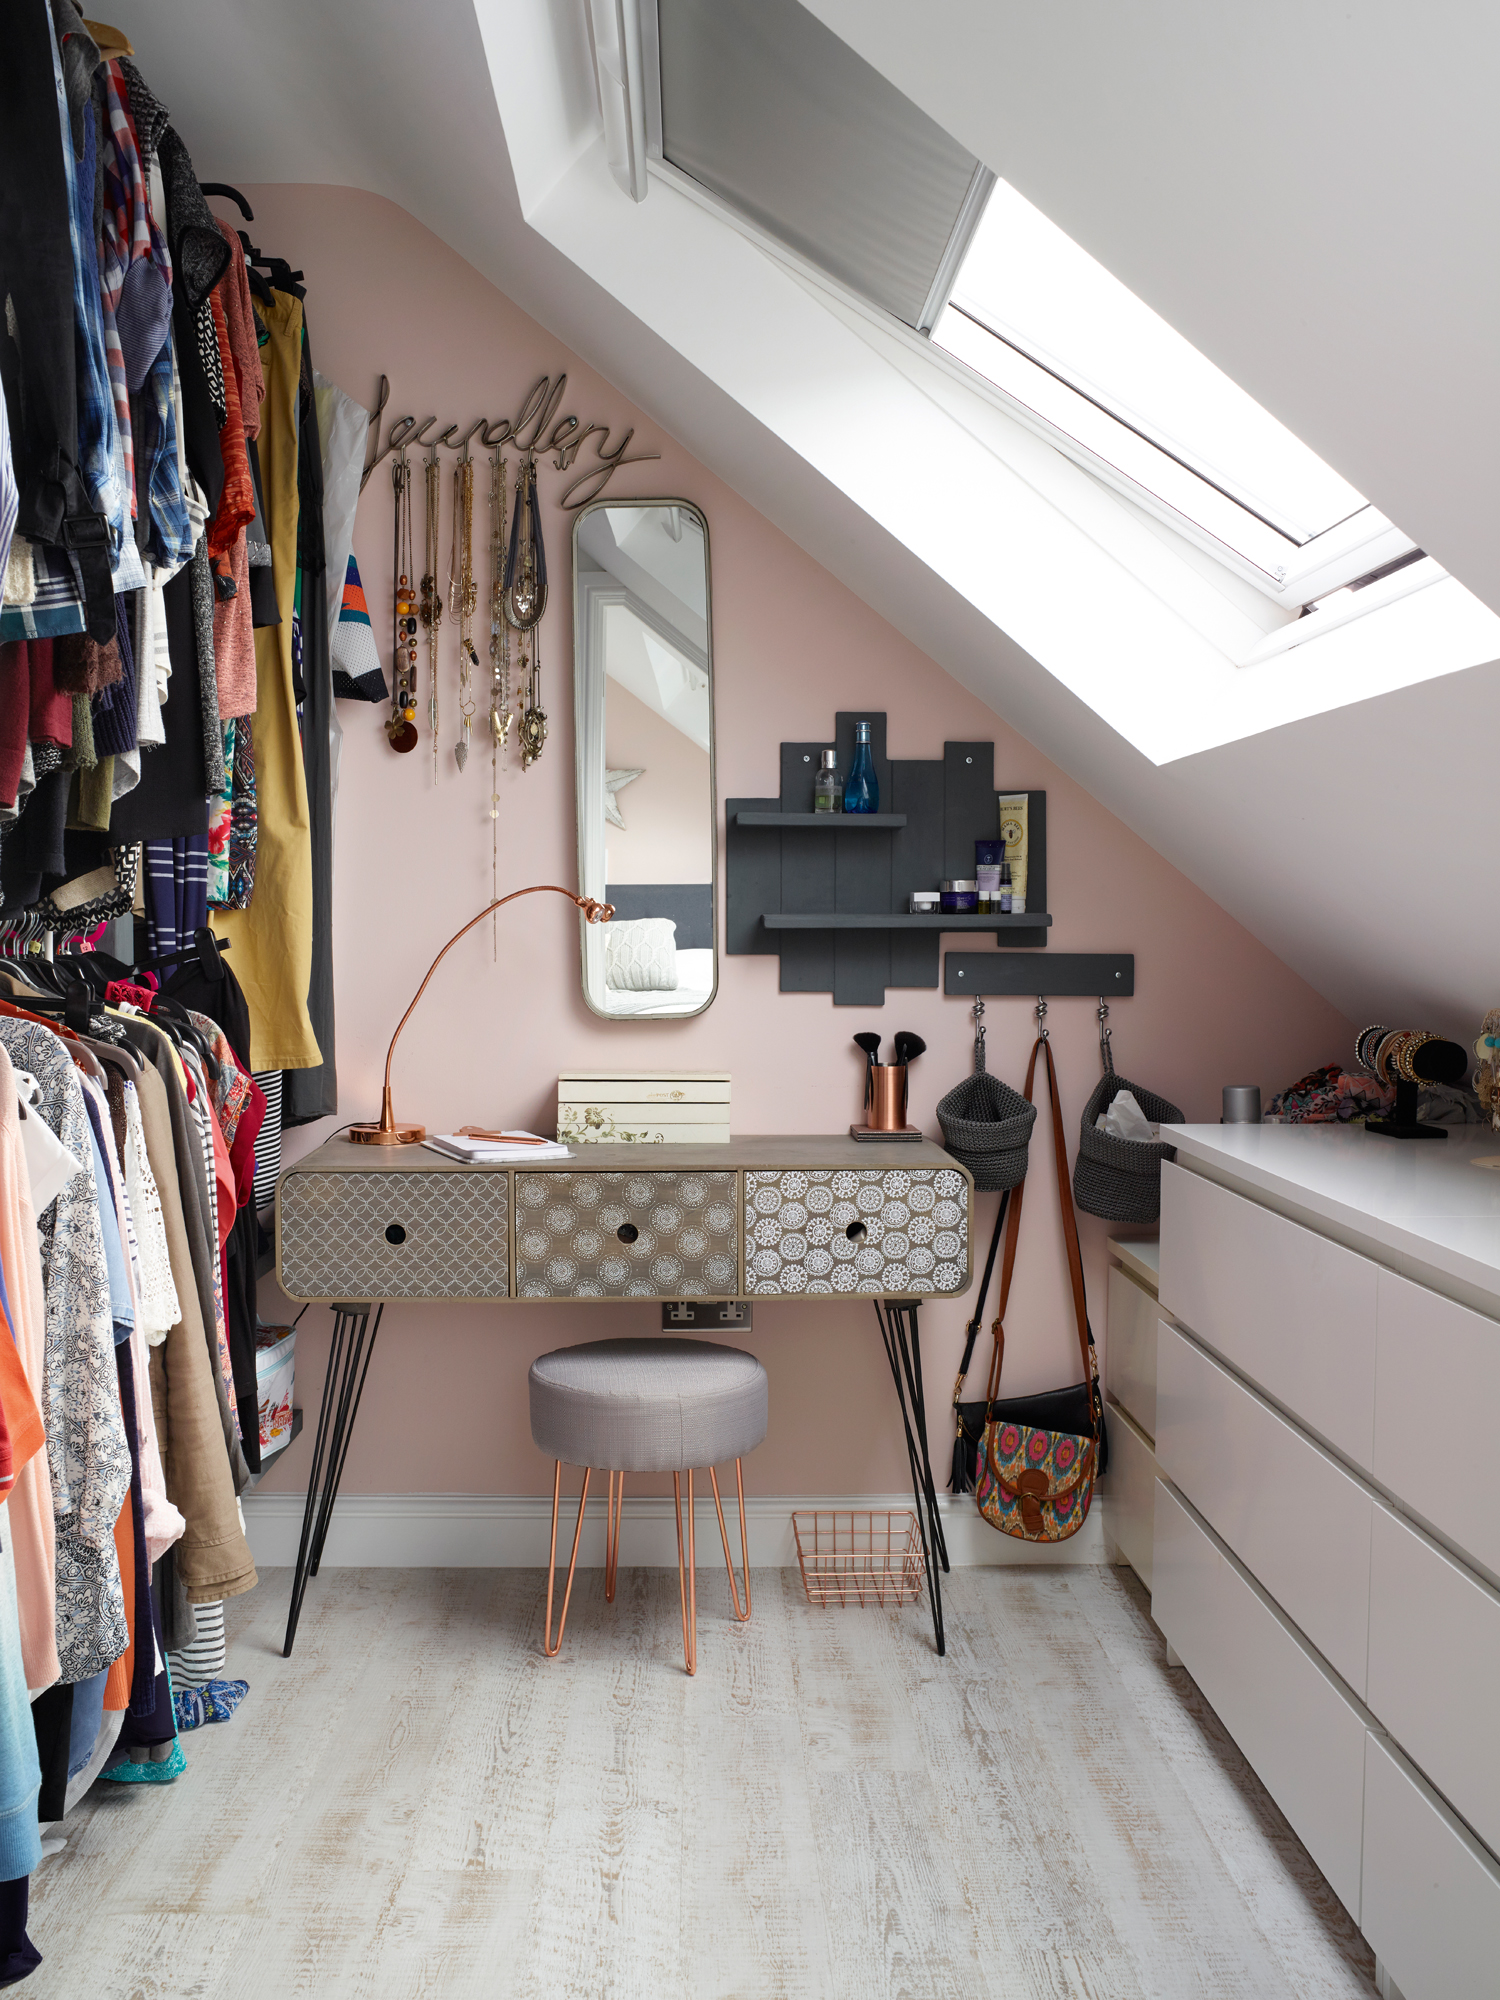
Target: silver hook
1041 1019
979 1054
1106 1053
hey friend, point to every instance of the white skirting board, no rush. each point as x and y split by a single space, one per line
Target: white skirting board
511 1531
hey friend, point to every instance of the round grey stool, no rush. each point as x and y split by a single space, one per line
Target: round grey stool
648 1406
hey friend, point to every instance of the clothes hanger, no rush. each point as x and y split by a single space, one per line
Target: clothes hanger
253 256
282 277
207 946
82 1059
112 42
230 194
171 1015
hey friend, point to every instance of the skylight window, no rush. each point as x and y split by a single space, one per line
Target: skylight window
1039 319
758 110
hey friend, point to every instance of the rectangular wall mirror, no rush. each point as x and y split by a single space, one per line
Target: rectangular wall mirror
643 694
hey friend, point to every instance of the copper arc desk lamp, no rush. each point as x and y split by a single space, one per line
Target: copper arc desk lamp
388 1132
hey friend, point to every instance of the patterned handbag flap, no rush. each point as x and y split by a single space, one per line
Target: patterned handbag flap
1035 1484
1044 1465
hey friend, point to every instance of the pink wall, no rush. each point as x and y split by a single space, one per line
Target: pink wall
445 1409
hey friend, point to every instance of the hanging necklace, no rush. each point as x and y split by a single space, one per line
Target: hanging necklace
525 601
463 596
402 726
501 713
432 600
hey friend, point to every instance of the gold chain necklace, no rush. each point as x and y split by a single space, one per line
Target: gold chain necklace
432 599
463 596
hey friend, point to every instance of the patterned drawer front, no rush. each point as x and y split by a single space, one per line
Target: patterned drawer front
449 1233
911 1231
679 1240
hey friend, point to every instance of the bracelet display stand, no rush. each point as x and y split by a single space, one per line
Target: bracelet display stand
1403 1123
1433 1061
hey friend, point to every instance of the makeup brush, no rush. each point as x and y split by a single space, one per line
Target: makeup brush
908 1047
871 1046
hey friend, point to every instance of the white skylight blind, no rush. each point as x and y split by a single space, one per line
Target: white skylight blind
771 111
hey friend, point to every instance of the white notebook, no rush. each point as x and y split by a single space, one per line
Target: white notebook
487 1152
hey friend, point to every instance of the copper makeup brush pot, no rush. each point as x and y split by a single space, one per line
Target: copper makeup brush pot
887 1097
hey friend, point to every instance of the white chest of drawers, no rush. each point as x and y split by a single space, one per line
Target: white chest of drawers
1128 1491
1326 1550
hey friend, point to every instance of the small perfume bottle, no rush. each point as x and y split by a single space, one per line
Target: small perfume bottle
862 787
828 791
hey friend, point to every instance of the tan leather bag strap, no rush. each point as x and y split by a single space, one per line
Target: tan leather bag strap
1070 1236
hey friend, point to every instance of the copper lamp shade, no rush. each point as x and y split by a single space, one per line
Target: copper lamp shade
388 1132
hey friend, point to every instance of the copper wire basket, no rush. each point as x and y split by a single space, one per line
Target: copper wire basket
860 1557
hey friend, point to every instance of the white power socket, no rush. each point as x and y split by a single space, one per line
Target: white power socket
706 1316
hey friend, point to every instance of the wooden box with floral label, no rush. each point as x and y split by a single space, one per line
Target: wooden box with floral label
658 1107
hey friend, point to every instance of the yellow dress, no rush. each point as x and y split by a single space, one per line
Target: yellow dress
273 938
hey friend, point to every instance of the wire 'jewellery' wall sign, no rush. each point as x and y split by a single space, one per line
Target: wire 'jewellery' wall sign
536 428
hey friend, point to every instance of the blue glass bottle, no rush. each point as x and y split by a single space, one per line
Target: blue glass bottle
862 787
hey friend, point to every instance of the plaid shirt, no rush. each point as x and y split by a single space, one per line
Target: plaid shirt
57 606
100 459
130 233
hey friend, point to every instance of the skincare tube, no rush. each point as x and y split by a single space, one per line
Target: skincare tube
1013 808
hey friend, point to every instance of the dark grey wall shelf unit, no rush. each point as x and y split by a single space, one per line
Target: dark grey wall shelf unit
847 883
782 920
1061 975
827 822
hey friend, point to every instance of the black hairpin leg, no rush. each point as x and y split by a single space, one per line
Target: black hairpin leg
903 1350
344 1384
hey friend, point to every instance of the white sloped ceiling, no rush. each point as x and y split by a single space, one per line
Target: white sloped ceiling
1308 194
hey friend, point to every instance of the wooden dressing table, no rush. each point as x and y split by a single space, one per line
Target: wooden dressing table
759 1218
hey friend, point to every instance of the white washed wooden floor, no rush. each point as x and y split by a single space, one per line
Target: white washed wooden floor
417 1803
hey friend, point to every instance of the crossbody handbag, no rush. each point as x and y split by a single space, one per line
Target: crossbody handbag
1048 1410
1039 1455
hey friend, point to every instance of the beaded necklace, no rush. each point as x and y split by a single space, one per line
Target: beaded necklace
402 726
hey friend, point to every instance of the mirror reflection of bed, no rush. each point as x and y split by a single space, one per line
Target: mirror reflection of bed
645 736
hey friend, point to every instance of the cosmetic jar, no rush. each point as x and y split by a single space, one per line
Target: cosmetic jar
924 902
960 898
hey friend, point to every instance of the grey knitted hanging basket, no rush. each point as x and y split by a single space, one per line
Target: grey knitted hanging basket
987 1128
1120 1179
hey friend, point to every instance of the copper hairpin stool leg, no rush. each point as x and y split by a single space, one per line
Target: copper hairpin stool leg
739 1480
687 1571
615 1507
550 1646
687 1586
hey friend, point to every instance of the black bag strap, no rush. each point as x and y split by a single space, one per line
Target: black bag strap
971 1331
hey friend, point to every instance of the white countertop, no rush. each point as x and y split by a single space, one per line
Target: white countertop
1422 1206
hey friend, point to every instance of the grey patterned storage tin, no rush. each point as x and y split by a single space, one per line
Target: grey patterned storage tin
399 1235
910 1231
626 1236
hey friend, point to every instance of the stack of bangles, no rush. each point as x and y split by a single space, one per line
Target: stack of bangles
1387 1053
